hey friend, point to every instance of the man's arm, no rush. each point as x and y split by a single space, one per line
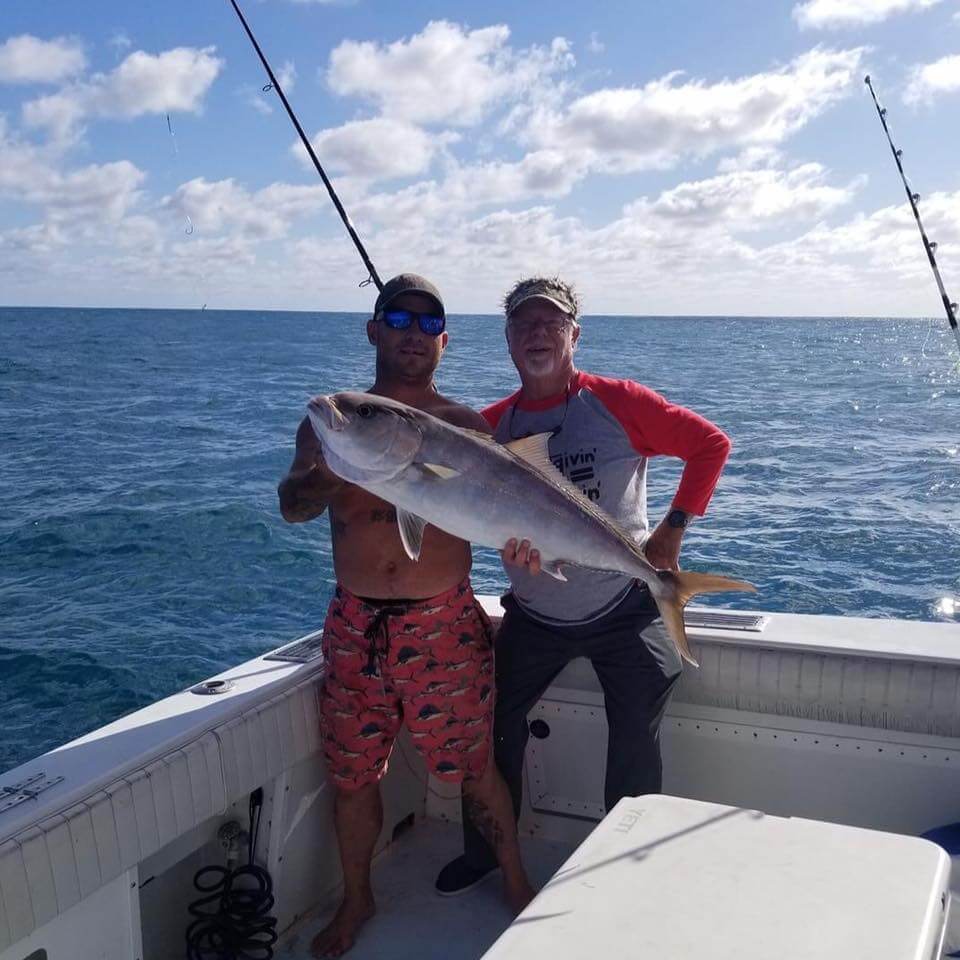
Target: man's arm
309 485
704 447
657 427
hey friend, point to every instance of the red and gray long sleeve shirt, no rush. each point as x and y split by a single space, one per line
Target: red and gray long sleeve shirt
605 432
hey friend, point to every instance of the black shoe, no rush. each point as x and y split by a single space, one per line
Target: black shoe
458 877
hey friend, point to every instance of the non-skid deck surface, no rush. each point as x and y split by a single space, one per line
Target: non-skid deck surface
413 922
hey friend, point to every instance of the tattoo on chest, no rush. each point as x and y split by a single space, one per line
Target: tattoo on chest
384 516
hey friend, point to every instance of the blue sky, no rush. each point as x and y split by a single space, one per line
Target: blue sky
685 158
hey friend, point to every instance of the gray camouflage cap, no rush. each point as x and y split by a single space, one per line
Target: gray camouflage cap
560 294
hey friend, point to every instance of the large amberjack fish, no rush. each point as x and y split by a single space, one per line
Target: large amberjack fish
471 487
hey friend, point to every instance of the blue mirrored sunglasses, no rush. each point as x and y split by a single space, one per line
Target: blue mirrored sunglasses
430 323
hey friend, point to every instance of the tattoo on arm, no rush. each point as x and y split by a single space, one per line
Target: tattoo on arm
298 505
484 820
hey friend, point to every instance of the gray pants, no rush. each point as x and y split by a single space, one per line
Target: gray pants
636 675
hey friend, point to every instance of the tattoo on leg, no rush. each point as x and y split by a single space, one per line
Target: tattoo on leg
484 820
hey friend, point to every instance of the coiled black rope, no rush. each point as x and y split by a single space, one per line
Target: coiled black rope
233 919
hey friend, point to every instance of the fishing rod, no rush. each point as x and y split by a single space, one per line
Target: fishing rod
914 198
274 84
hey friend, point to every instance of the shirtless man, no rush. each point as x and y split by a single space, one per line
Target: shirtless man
404 641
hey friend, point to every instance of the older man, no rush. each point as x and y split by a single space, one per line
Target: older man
404 641
603 433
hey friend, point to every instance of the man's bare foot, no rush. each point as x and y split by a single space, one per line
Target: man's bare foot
519 895
338 936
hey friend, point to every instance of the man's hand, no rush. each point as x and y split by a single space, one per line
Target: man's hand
663 547
521 556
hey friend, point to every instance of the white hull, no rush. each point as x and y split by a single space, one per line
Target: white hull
844 720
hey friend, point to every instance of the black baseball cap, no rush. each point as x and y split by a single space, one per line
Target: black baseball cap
407 283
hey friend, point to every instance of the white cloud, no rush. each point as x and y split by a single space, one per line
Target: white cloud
256 98
287 75
444 74
929 79
261 100
829 14
466 188
377 149
176 80
751 158
27 59
98 192
875 262
120 40
749 199
595 44
215 206
653 126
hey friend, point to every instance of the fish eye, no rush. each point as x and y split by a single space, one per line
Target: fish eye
364 410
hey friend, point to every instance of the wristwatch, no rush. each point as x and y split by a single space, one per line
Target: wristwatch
677 519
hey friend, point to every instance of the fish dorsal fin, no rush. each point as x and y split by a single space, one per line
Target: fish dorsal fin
477 434
411 532
439 470
534 451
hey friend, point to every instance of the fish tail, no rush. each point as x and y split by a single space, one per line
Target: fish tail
677 588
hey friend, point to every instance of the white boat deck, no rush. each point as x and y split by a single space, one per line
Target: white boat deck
413 921
839 720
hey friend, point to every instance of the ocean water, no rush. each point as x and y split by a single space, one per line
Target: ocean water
141 548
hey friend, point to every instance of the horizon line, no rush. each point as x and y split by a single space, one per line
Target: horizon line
631 316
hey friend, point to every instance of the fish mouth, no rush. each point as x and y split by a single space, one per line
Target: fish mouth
326 409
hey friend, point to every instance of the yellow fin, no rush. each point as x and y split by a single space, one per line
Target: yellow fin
438 470
535 451
680 587
476 434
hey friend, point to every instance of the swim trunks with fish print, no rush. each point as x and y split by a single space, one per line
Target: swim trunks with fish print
426 663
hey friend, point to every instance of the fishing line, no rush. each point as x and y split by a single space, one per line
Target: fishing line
176 152
274 84
949 306
189 229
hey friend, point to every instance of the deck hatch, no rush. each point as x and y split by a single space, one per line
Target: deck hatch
725 620
300 651
26 790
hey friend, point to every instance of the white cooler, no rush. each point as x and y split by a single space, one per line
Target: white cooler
663 877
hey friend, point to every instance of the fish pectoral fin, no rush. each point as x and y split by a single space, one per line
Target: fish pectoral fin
554 570
439 470
411 532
